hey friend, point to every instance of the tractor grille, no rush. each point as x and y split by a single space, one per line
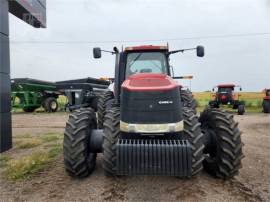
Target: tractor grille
153 157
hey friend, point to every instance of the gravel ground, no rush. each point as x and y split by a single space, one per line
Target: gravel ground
53 184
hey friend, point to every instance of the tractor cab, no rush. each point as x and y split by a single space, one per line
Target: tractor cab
225 95
146 59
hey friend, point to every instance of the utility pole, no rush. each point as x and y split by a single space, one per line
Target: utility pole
5 115
33 13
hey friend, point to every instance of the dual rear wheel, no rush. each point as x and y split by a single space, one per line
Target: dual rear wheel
78 159
223 151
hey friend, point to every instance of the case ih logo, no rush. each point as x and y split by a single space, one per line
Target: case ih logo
165 102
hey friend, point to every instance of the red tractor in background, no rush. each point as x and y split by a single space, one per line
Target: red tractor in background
225 96
266 101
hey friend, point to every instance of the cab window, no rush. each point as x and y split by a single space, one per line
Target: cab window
146 62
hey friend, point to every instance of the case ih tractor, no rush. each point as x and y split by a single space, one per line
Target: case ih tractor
225 96
147 128
266 101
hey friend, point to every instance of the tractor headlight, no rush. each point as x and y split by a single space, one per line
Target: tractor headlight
152 128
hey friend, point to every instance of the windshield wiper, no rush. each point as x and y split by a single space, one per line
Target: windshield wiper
133 61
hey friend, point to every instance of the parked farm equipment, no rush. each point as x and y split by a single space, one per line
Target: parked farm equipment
225 96
82 92
147 128
266 101
186 94
30 94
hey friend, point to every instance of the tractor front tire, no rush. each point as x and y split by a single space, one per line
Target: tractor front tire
241 109
51 104
111 135
223 150
266 106
79 162
192 132
101 106
188 100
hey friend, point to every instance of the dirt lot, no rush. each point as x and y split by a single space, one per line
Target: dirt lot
53 184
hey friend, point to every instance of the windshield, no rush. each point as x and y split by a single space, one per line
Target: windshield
150 62
225 90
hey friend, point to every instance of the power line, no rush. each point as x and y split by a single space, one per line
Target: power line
145 40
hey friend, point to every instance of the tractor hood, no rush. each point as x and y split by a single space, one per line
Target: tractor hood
149 98
149 82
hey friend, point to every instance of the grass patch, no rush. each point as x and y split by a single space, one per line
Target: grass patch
4 160
55 150
51 137
23 167
29 143
23 136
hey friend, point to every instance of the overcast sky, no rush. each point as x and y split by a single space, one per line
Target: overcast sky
64 49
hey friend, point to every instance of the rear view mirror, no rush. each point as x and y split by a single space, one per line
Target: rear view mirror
97 52
200 51
240 89
213 89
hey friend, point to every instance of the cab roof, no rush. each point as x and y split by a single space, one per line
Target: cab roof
226 86
146 48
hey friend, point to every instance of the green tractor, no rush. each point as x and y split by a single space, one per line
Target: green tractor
30 94
147 128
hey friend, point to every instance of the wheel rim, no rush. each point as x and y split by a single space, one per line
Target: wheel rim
53 105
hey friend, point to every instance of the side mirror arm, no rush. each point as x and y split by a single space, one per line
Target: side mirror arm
199 49
181 50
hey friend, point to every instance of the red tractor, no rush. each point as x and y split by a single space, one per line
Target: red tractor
266 101
147 127
225 96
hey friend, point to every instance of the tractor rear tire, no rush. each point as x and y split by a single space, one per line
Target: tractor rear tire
111 135
101 107
266 106
241 109
79 162
188 100
51 104
29 109
223 150
192 132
